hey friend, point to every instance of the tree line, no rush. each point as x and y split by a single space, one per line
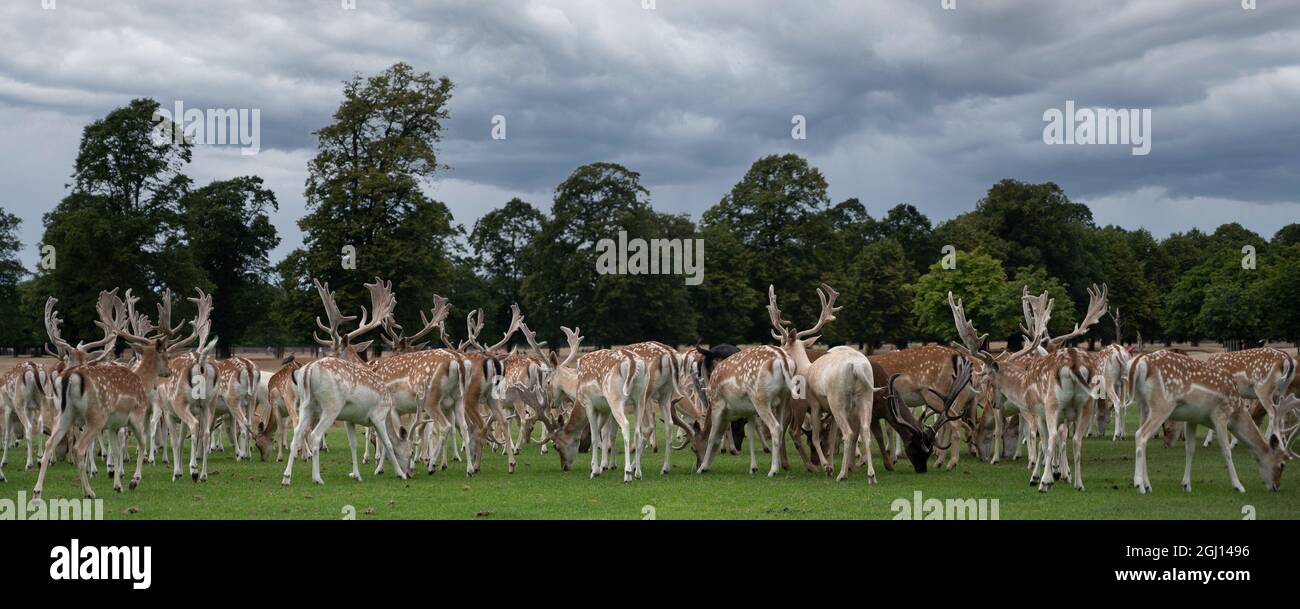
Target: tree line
133 218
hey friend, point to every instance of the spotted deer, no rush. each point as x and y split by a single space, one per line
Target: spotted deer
1008 377
1174 386
1263 374
660 363
922 373
339 387
280 410
425 382
98 397
525 380
186 396
610 386
22 396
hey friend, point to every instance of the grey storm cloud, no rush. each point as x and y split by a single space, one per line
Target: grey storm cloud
905 101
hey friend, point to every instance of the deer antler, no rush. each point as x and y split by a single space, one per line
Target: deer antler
575 343
538 348
972 343
961 369
52 323
473 326
781 326
1096 308
202 323
516 318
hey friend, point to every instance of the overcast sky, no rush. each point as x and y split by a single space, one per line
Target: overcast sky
904 101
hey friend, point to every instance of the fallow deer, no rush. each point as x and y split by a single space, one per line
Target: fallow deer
340 387
1174 386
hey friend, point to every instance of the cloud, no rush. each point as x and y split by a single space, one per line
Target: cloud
905 101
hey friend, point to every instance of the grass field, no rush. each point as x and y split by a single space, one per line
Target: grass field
540 490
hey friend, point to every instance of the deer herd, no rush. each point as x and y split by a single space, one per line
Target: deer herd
464 399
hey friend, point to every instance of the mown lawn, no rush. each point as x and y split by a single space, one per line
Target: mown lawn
540 490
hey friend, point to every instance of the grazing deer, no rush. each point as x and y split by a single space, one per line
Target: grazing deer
525 380
562 393
1009 378
922 373
918 440
1169 385
1110 366
340 387
280 410
429 382
483 387
1263 374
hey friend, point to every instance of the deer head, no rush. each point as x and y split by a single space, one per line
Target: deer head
796 342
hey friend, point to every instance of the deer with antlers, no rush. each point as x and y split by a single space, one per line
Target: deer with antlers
1010 378
339 387
189 389
566 431
1170 385
840 381
484 388
524 381
1110 367
428 382
98 397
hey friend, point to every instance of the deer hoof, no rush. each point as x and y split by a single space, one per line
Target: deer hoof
194 476
284 481
134 483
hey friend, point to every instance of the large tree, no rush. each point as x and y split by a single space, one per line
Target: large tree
14 331
775 211
563 285
368 214
117 226
230 236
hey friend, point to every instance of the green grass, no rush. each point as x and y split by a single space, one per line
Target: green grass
540 490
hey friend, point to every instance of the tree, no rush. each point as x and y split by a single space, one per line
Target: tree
1278 290
1043 227
1287 235
774 211
364 192
877 297
117 227
979 281
14 331
911 229
563 286
230 237
499 241
726 302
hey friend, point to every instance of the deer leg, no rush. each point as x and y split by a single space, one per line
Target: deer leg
885 454
1221 430
61 428
714 429
139 425
300 432
352 447
1190 440
765 405
850 436
666 411
815 404
1089 414
1156 417
864 419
